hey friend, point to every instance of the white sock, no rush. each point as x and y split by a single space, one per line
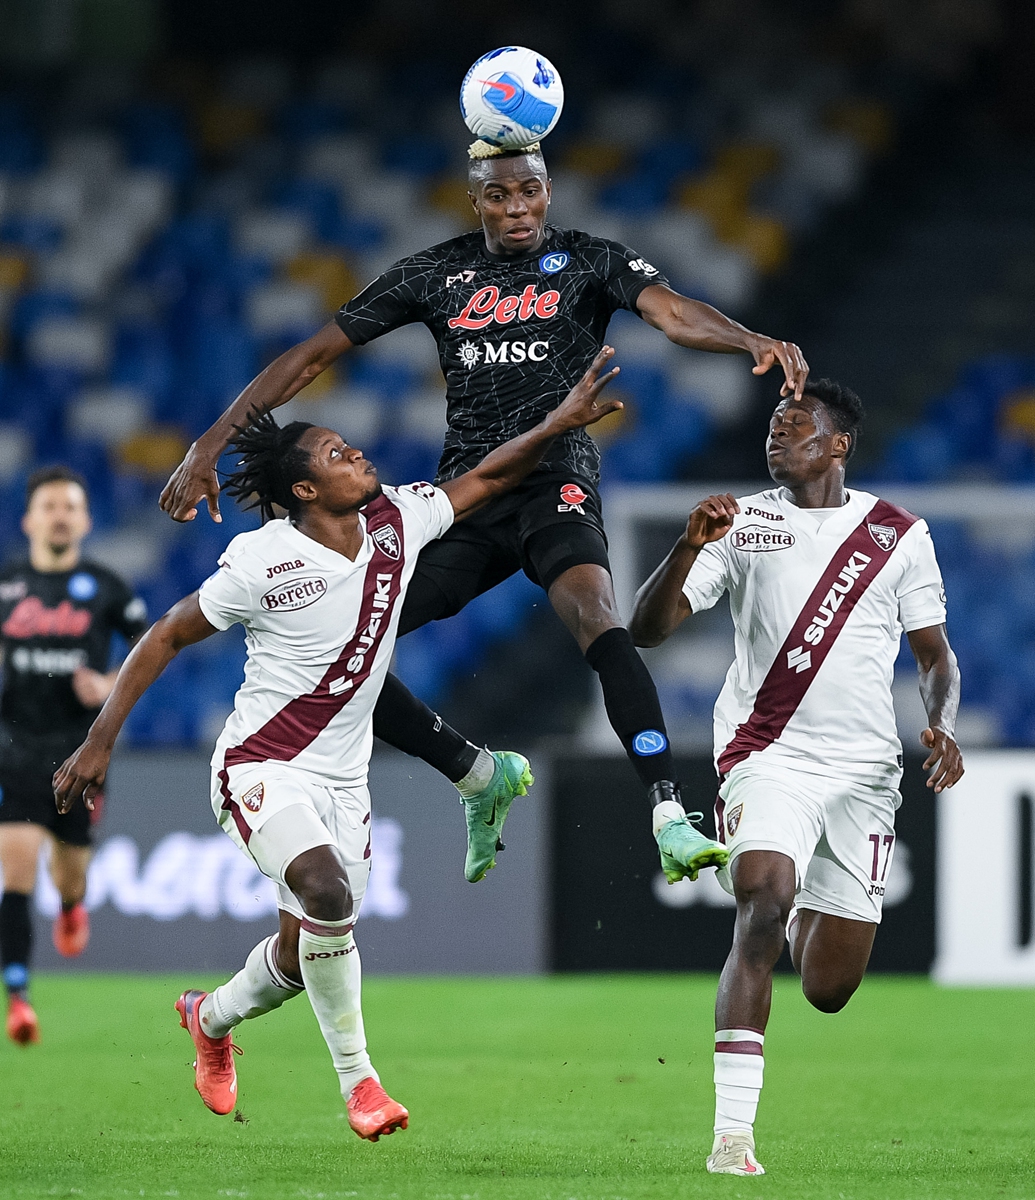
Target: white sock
331 971
667 810
478 777
259 987
739 1067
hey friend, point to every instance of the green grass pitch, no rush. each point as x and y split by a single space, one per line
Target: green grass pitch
565 1088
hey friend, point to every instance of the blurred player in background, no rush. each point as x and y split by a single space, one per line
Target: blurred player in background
518 310
823 582
57 614
319 594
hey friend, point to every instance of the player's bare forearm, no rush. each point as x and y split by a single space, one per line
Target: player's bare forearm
505 467
698 326
82 775
940 691
661 605
195 478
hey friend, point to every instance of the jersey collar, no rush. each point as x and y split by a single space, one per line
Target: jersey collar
549 232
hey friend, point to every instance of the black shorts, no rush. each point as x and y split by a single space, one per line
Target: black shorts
546 525
27 766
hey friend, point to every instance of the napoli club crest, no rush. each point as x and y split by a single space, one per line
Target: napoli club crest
733 820
388 541
884 536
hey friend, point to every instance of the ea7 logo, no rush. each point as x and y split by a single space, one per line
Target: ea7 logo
884 536
573 497
460 277
799 659
388 540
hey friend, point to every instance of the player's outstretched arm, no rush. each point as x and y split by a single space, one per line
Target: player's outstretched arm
661 606
940 690
195 478
82 775
507 465
698 326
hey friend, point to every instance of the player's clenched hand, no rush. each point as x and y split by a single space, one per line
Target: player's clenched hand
582 405
193 480
80 777
768 352
945 762
711 520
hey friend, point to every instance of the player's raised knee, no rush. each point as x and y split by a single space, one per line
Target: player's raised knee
829 996
319 880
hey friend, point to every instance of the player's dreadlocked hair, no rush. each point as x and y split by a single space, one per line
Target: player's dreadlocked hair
845 407
271 462
480 154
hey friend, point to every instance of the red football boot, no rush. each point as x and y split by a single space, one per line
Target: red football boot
372 1112
71 931
23 1025
214 1073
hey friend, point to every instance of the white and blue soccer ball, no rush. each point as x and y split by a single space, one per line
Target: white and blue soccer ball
511 97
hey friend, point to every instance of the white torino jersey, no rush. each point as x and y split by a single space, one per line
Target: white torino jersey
820 599
320 633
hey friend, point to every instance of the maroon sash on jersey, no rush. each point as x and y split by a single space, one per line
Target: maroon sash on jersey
849 573
287 733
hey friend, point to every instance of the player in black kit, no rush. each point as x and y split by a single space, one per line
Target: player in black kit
57 615
518 310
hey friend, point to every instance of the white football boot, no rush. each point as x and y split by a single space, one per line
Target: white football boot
734 1154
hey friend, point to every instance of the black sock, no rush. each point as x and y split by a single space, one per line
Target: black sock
15 941
632 704
406 723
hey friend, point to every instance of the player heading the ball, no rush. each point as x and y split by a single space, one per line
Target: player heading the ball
518 309
319 593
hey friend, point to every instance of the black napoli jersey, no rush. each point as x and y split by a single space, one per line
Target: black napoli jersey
514 334
51 623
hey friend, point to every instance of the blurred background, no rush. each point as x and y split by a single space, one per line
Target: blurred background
189 187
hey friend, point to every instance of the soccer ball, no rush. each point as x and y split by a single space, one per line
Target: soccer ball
511 97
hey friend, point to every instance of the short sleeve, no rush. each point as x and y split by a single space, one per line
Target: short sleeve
225 597
708 578
390 301
430 506
127 612
626 274
921 593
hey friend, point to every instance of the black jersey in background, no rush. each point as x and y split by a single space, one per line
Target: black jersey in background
52 622
514 334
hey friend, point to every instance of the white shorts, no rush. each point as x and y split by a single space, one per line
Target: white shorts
840 833
275 812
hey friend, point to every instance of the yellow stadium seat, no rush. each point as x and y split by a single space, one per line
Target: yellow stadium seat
450 196
14 270
153 452
594 158
721 196
223 125
1017 415
868 121
747 161
328 271
764 239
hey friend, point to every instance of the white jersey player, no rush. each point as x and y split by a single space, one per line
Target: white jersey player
319 594
822 582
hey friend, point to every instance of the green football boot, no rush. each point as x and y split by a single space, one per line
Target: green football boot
487 811
685 851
